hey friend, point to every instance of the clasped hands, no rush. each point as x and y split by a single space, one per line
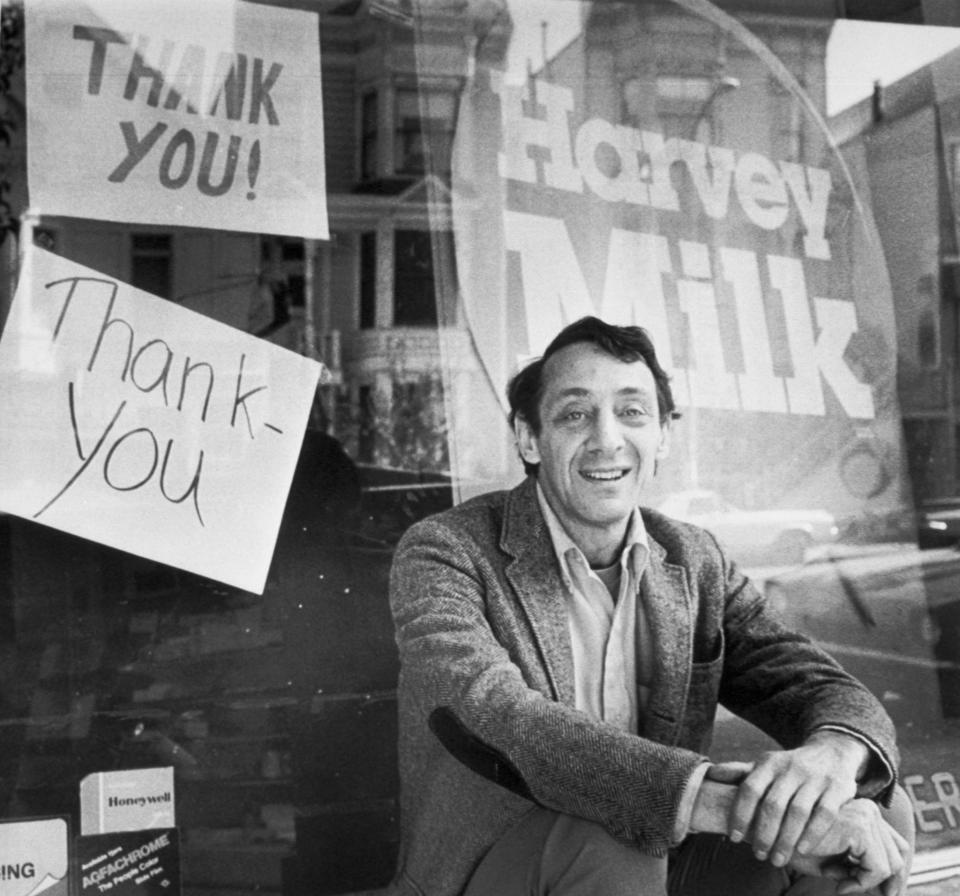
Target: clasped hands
799 808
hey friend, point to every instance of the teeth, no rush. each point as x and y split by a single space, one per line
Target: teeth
606 476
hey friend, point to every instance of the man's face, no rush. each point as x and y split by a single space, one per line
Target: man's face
600 437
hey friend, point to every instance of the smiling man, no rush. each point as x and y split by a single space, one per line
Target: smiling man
563 653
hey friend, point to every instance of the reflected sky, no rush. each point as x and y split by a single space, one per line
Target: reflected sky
858 53
539 26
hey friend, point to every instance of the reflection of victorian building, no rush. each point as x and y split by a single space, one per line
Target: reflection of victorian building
906 139
364 301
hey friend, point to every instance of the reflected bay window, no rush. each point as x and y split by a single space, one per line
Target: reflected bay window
424 124
151 263
368 280
369 136
420 122
414 284
417 284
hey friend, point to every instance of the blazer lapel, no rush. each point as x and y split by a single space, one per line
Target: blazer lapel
668 609
535 577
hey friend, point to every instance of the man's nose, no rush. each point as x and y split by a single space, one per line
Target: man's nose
607 433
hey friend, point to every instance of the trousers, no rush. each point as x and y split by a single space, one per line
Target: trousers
550 854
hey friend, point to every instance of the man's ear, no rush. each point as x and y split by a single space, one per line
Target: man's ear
663 449
527 443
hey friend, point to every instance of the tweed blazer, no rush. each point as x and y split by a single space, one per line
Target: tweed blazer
488 727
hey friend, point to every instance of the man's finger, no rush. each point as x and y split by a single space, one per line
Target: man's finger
862 879
895 885
729 772
749 795
872 867
821 820
897 849
794 824
769 817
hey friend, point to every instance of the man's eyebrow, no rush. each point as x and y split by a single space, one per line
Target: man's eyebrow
582 392
573 392
636 390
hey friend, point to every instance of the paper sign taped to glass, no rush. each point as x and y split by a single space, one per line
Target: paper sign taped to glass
134 863
34 857
141 425
202 115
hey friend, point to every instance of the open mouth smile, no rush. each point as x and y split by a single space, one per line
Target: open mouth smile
603 475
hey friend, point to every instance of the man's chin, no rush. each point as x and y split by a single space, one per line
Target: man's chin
609 511
614 495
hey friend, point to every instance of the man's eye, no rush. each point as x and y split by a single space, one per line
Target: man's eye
634 412
572 415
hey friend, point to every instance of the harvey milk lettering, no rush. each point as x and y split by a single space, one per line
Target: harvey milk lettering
241 90
128 458
540 147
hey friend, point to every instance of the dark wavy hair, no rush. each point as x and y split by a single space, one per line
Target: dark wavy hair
626 344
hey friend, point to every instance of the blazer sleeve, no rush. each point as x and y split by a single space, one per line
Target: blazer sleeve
459 679
780 681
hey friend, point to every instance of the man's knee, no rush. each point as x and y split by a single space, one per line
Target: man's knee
548 852
900 815
581 859
712 865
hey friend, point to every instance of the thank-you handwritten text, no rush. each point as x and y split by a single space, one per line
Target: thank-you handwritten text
130 458
138 423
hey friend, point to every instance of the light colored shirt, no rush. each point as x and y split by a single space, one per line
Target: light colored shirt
611 656
613 651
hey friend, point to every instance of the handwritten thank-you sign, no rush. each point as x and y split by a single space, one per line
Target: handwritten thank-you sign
136 423
199 114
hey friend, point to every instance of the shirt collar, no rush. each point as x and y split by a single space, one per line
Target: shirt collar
636 547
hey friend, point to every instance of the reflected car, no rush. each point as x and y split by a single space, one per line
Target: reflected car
756 536
891 615
938 523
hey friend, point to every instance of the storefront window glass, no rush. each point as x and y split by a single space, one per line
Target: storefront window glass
369 214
